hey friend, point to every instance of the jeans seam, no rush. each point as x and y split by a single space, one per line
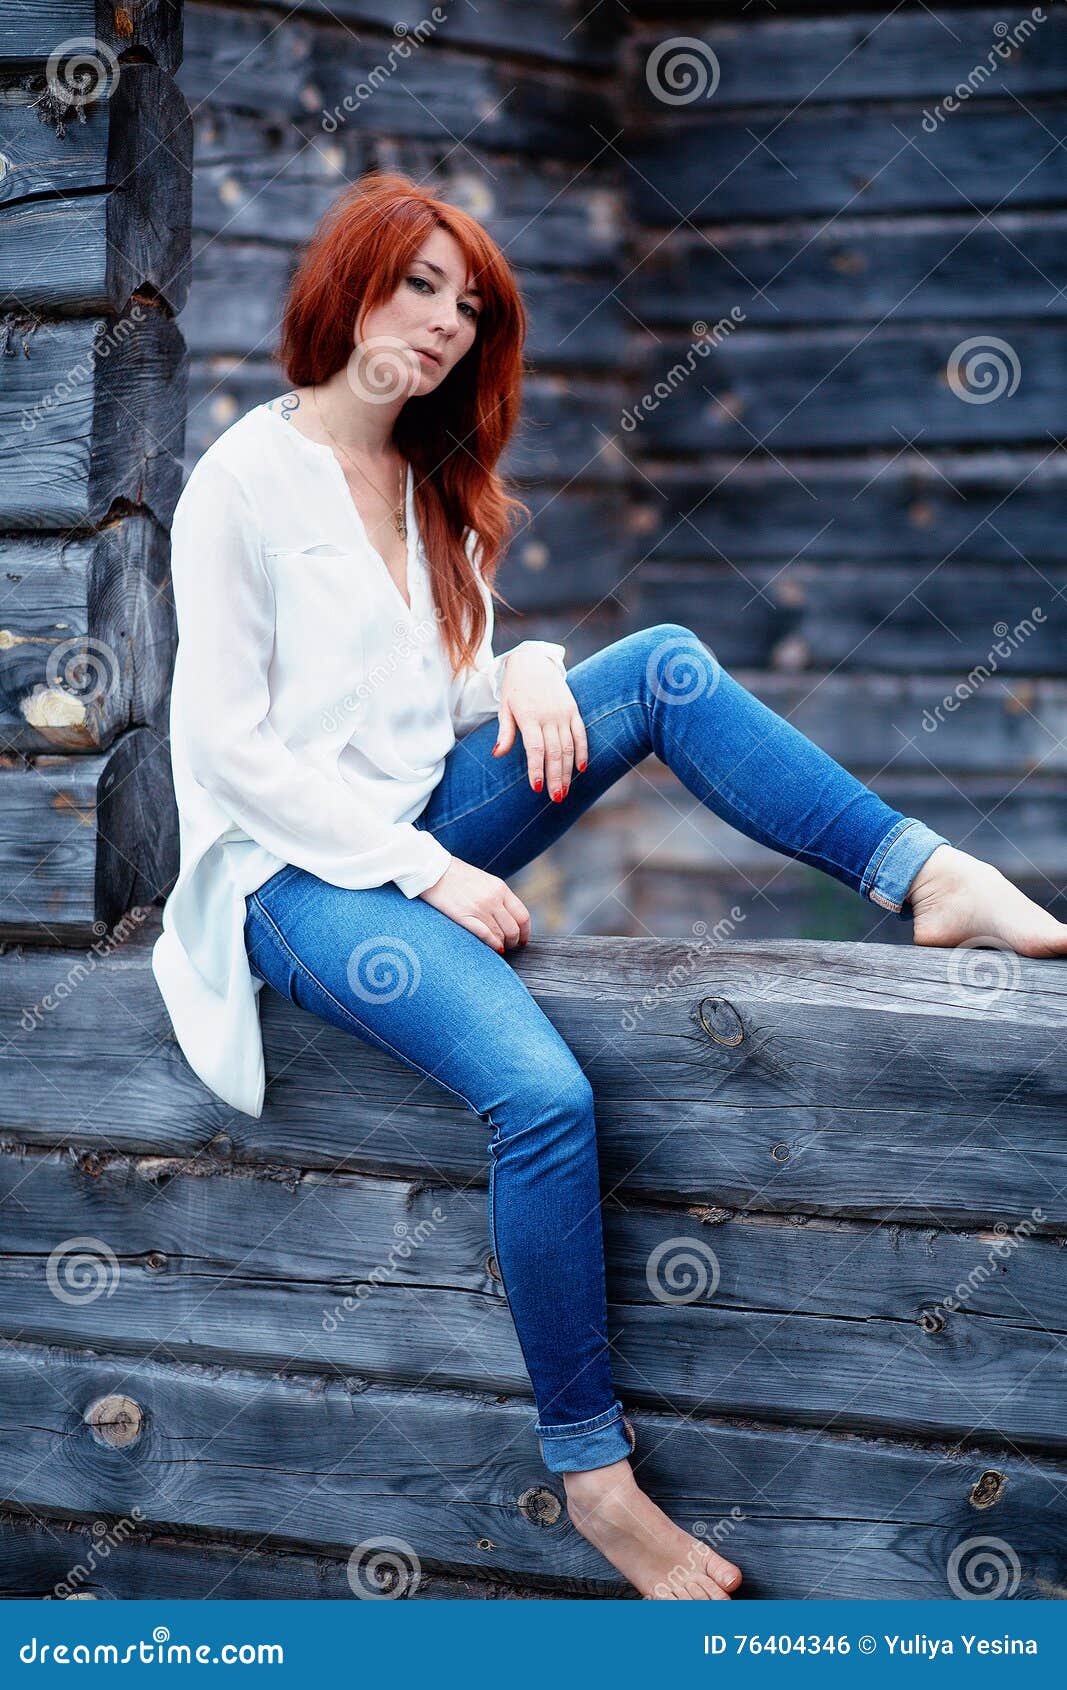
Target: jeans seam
460 815
845 868
372 1036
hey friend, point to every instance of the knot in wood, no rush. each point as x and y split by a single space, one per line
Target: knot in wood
541 1506
988 1490
116 1421
720 1021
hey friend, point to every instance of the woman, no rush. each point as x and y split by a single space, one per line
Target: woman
358 778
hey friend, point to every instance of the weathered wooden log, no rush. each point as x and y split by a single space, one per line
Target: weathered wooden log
868 617
83 840
323 76
330 1463
30 33
898 506
832 160
914 269
550 30
89 218
868 1081
692 1306
854 387
87 646
91 418
115 1560
257 181
814 61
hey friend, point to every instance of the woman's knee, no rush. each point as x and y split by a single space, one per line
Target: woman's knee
674 661
552 1096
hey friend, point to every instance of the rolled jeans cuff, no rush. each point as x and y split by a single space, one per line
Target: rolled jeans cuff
587 1443
897 861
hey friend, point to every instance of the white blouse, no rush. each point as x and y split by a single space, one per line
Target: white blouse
310 717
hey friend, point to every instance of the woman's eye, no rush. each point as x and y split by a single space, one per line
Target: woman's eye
474 315
421 280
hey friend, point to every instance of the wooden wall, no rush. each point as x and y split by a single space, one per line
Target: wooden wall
95 151
842 506
835 1209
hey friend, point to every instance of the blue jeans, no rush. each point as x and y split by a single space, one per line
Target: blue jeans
464 1018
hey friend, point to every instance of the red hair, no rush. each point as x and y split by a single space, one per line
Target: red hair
453 436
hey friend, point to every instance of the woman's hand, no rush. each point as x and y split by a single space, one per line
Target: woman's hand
536 699
482 903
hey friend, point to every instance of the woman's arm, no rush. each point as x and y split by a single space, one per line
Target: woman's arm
226 618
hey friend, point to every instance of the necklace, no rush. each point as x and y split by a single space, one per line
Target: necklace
399 516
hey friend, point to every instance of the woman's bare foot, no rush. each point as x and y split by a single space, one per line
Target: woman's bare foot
956 897
660 1559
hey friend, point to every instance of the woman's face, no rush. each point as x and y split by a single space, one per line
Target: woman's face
434 310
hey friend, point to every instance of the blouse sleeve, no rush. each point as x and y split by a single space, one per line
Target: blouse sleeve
474 696
225 610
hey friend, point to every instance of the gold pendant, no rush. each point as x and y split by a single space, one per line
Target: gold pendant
401 524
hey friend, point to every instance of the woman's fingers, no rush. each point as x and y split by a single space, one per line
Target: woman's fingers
553 759
520 912
581 743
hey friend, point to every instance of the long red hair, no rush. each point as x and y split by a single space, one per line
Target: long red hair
453 436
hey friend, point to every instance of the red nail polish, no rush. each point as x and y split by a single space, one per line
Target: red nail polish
538 784
581 766
564 793
495 749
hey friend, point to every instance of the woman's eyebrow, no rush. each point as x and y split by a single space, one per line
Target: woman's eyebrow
437 270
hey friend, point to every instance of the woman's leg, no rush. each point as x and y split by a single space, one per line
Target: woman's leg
660 690
401 975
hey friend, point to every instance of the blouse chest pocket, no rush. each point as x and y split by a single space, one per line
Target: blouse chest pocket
318 614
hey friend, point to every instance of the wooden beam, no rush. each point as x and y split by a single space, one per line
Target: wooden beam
83 840
89 218
91 417
870 1081
31 33
87 641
